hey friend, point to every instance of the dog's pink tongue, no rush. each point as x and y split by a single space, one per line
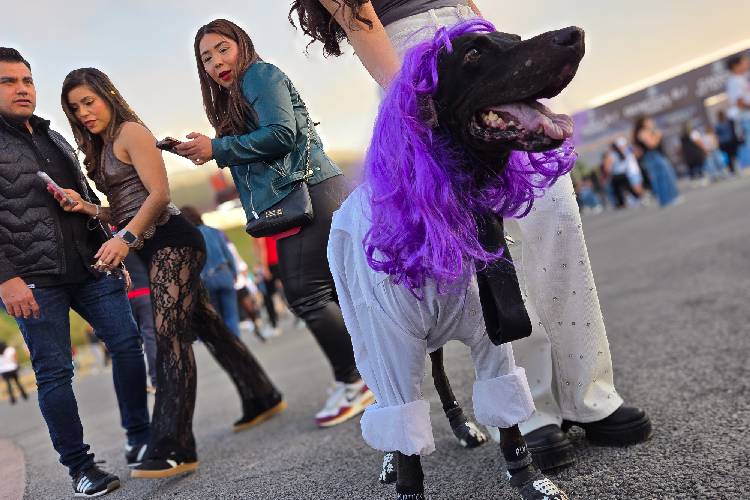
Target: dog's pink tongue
535 116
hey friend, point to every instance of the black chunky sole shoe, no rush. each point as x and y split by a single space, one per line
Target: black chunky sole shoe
626 426
247 422
550 447
156 468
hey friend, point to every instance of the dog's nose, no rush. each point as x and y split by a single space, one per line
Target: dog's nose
568 37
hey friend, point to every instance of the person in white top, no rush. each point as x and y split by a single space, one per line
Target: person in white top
738 95
9 371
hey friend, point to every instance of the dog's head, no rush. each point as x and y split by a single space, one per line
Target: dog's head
489 85
459 135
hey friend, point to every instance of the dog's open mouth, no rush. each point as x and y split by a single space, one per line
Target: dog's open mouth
527 125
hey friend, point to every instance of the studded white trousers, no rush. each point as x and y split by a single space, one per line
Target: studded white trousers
567 357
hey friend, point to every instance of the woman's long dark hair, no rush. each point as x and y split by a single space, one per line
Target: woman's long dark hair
227 109
317 23
91 144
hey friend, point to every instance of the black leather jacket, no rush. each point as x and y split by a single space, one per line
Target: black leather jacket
30 235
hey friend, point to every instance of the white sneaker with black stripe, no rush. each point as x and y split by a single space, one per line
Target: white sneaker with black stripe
94 482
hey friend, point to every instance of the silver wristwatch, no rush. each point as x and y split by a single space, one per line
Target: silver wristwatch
129 238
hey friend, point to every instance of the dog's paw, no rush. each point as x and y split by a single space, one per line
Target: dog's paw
469 435
388 472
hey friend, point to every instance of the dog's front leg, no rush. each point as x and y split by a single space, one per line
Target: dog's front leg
410 482
467 433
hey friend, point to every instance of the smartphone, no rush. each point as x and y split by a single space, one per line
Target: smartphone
168 144
55 187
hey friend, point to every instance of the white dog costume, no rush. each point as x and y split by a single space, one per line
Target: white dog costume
392 332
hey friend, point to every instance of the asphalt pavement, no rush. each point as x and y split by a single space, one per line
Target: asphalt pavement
674 286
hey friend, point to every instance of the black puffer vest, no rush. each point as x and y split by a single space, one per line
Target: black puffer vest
30 236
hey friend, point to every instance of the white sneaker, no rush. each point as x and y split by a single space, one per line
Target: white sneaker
268 332
344 402
247 326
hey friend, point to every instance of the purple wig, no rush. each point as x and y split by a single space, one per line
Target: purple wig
423 198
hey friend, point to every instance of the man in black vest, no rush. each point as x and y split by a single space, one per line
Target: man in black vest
45 270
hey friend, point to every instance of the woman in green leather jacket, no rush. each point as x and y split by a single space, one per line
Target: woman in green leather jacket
262 128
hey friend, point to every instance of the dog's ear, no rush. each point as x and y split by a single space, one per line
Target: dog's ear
427 110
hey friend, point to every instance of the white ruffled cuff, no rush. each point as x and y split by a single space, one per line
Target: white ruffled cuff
503 401
405 428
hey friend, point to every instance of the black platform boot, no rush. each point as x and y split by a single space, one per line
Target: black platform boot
550 447
626 426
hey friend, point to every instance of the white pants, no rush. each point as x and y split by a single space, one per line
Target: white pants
392 333
567 357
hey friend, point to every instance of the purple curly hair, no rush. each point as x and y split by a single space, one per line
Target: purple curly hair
423 198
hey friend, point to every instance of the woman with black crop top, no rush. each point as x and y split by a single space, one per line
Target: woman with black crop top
123 161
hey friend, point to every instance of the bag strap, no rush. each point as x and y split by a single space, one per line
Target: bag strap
307 172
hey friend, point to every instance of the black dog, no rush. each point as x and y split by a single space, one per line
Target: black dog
487 101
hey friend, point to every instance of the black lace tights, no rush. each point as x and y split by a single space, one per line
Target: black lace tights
182 312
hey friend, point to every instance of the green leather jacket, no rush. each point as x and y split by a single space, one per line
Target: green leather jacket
267 161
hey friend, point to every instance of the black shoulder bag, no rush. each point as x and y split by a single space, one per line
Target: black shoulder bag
294 210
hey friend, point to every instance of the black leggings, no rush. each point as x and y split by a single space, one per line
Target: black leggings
307 280
181 312
13 376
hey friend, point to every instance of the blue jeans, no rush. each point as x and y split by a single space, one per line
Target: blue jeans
104 304
224 301
663 178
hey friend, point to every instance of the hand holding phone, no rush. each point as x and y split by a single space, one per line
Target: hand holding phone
168 144
55 188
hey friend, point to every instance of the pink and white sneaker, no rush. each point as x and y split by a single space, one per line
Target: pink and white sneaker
344 402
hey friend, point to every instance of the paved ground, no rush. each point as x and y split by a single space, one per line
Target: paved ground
674 285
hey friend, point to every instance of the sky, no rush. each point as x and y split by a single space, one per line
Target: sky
146 49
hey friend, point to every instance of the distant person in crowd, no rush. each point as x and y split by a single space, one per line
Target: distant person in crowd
738 95
622 165
587 197
604 176
269 261
260 121
729 139
98 349
247 296
219 272
9 371
716 163
139 296
122 159
46 257
693 152
660 170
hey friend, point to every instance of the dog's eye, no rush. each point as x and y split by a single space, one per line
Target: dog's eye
472 56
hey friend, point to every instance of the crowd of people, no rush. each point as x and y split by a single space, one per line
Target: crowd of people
633 171
58 252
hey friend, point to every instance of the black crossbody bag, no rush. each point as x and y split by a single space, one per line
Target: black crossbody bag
294 210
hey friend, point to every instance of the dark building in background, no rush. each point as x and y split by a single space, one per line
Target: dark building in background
694 97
